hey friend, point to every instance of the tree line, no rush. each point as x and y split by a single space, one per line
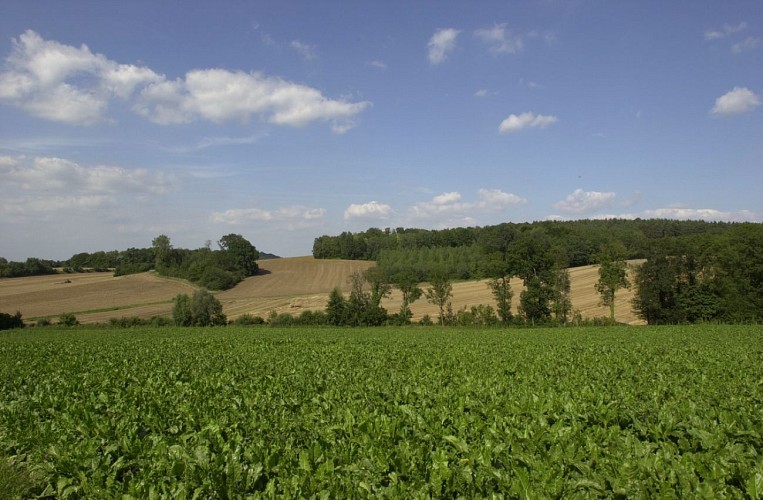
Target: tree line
693 271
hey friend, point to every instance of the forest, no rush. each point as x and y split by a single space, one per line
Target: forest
692 271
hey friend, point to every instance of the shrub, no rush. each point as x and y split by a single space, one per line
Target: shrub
8 321
248 320
202 309
68 319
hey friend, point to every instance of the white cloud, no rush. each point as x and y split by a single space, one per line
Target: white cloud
378 64
584 202
220 95
726 30
441 44
293 213
73 85
63 83
450 204
749 43
370 210
739 100
708 214
47 187
495 199
500 39
309 52
515 123
47 175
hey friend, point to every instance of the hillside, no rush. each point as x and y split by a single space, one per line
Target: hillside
283 285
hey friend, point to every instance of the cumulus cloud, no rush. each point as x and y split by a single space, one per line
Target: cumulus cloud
73 85
63 83
370 210
450 204
42 186
293 213
441 44
220 95
515 123
737 101
46 174
500 39
584 202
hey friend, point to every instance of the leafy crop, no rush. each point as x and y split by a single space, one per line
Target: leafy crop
333 413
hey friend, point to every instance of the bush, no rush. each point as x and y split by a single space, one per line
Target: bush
68 319
248 320
426 321
7 321
202 309
43 322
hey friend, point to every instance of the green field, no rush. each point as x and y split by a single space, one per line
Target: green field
232 413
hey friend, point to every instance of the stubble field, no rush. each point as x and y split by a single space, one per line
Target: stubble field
285 285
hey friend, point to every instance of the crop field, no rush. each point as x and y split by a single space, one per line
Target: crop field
290 285
400 412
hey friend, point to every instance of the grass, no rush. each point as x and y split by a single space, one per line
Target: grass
386 412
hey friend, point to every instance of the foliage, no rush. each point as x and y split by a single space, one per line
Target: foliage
408 284
501 289
398 413
439 293
201 309
613 275
32 267
248 320
698 279
8 321
68 319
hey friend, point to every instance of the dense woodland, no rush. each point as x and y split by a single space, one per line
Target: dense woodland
694 271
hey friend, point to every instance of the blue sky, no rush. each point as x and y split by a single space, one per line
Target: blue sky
283 121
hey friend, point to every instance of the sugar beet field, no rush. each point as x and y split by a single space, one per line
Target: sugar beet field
237 413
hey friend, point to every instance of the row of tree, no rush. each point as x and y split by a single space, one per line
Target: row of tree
31 267
578 240
694 270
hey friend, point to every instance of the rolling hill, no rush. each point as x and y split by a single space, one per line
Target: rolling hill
283 285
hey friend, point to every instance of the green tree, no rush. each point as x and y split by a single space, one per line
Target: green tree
501 288
243 252
336 308
561 305
181 311
613 276
201 309
379 284
162 253
408 284
206 310
440 292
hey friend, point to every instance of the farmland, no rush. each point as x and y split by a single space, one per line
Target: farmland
386 412
285 285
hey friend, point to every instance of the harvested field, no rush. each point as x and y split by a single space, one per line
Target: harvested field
92 297
284 285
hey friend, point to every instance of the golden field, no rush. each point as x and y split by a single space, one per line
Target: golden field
283 285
